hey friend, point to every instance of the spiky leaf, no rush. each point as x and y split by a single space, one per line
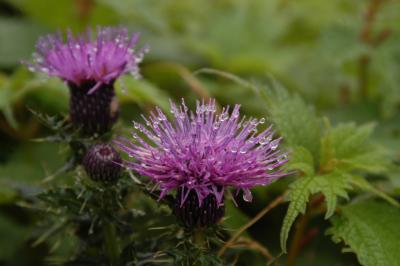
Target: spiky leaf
371 230
332 186
348 147
295 120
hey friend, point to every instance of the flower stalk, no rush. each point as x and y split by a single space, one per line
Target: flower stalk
111 243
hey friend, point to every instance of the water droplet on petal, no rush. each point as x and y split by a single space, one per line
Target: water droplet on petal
223 117
247 196
274 144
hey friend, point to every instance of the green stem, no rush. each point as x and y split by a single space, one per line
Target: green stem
199 238
111 243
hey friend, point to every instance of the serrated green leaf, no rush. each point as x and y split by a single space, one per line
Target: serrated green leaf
295 120
363 184
348 147
332 186
371 230
301 159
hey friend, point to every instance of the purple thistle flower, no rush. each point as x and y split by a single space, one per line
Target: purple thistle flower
82 58
204 152
90 67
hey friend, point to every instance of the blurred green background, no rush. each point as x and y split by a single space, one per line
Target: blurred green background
341 56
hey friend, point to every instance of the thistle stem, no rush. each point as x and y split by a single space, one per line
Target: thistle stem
111 243
301 227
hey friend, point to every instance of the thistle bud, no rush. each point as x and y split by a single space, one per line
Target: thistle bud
102 163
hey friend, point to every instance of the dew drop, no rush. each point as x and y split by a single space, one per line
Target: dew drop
223 117
282 158
262 120
264 141
247 196
274 144
123 88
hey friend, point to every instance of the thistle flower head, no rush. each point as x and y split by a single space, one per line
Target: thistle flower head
204 152
83 58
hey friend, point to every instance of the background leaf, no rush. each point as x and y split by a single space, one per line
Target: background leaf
370 229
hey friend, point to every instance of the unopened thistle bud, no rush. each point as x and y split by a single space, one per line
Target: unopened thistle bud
102 163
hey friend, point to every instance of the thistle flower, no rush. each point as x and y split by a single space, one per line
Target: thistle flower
202 154
102 163
90 67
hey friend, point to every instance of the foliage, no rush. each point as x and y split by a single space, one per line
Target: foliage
369 229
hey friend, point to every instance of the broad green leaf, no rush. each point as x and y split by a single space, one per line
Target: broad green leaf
50 94
295 120
370 230
65 13
348 147
32 162
234 218
18 37
332 186
13 237
7 194
141 91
